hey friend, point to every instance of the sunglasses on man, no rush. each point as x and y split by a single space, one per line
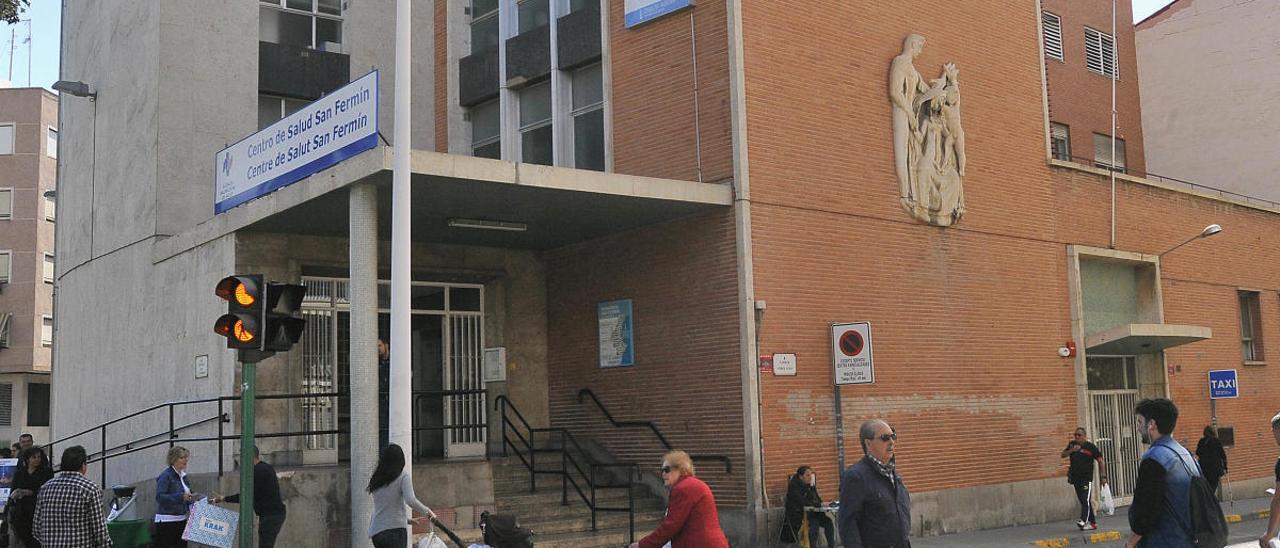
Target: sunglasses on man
885 437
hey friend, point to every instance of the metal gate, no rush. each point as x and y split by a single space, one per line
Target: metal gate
464 413
1114 433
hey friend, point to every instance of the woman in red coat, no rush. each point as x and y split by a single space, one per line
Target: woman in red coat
692 520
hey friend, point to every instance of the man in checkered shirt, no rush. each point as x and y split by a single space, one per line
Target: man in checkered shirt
69 507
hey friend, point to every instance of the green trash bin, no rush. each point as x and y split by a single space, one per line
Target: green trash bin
129 533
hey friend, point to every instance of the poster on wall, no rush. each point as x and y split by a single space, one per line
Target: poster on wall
7 469
616 343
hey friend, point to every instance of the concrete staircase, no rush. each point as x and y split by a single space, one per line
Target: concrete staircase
563 526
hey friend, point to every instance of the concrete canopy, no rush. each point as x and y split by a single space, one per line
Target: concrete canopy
558 205
1143 338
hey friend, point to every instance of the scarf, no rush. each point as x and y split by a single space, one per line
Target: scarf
885 468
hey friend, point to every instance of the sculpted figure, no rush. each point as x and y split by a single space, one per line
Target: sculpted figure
928 140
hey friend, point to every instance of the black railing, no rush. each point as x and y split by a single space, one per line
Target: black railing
728 464
526 446
1172 181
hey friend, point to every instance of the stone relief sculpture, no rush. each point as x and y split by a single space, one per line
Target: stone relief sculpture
928 141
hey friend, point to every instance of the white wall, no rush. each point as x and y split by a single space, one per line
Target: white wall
1208 77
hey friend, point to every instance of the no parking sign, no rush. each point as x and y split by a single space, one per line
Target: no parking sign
851 353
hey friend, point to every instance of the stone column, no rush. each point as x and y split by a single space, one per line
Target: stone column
363 386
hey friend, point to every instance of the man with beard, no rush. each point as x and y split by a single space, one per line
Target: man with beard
875 508
1161 512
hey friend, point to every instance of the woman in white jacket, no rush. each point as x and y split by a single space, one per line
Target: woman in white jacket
391 491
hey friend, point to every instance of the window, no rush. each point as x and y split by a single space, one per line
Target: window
50 209
532 14
51 143
37 404
6 324
315 24
6 404
6 203
1102 153
46 331
1100 53
1112 372
1250 326
484 25
6 139
535 124
48 268
486 130
1052 35
6 264
588 118
1060 139
272 108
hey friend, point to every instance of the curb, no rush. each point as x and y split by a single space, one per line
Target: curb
1109 536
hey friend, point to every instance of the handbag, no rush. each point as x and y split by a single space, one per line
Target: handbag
211 525
1107 502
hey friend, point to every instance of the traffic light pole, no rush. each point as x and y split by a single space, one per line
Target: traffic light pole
249 370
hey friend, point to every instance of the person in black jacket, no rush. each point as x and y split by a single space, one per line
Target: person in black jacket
267 503
33 471
802 491
875 506
1213 458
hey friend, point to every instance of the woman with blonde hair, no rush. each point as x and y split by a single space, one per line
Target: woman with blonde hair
692 520
173 500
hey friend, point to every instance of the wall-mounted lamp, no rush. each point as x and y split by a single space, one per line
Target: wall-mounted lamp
1208 231
78 89
488 224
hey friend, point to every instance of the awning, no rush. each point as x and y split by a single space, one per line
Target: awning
1144 338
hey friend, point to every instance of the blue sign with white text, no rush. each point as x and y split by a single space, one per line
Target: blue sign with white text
638 12
1223 384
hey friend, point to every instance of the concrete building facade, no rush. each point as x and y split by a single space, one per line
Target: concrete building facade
28 168
1199 133
727 181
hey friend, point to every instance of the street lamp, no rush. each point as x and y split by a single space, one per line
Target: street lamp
1208 231
76 88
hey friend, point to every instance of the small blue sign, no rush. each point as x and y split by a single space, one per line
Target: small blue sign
1223 384
639 12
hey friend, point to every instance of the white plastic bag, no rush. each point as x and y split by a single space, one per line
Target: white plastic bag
431 541
1107 503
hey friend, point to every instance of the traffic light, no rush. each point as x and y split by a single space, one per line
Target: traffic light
242 324
281 327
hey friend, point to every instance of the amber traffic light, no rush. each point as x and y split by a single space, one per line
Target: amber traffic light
242 324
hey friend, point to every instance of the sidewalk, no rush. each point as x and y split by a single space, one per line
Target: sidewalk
1112 530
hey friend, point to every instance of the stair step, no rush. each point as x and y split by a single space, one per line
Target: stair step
604 538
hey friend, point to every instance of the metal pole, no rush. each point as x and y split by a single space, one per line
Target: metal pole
249 371
1111 167
400 421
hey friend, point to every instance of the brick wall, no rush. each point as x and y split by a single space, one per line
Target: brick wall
1081 99
680 277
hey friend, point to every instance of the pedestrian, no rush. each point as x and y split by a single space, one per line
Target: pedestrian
267 503
1273 524
1160 515
802 491
384 392
1213 458
1083 453
875 507
173 500
692 520
32 473
25 441
69 509
392 490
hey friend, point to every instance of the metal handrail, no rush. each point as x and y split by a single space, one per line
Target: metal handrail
1091 162
567 458
728 464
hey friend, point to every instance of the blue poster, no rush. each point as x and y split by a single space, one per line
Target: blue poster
7 469
617 348
639 12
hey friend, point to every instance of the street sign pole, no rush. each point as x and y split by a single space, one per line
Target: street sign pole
247 389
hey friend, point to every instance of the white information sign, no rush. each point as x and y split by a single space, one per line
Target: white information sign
851 353
321 134
784 365
495 364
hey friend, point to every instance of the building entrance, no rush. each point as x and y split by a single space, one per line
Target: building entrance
446 345
1113 393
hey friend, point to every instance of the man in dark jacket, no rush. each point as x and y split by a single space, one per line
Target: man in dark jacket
267 503
875 508
802 491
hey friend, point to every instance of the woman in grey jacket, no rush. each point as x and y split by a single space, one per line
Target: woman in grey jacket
392 490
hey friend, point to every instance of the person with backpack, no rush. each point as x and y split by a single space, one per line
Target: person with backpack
392 490
1172 505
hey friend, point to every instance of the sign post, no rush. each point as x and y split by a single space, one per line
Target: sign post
852 363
